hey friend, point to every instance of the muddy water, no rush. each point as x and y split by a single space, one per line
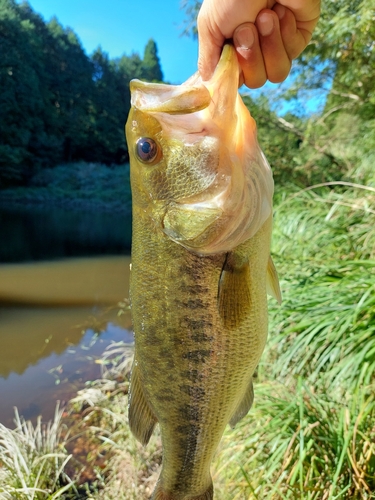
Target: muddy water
56 319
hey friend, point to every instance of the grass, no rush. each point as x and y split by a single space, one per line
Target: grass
33 461
326 327
325 253
132 470
300 444
311 432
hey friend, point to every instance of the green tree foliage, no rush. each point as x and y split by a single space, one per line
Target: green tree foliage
338 67
71 88
56 103
343 52
109 111
130 67
191 8
151 64
21 98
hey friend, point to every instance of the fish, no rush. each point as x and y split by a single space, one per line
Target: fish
202 220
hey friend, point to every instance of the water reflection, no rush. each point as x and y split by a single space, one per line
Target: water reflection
50 314
56 377
39 234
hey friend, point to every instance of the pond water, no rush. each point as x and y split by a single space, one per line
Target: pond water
57 316
29 234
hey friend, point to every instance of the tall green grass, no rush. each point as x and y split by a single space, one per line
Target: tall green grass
325 251
33 461
326 329
298 443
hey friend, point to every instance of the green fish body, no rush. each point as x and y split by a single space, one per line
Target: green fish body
202 219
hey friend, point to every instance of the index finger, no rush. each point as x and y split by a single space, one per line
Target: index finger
210 46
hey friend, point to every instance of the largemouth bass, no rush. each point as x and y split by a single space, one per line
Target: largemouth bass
202 216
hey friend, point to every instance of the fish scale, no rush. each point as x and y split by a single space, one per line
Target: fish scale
200 317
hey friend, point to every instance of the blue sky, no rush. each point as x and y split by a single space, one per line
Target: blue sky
125 26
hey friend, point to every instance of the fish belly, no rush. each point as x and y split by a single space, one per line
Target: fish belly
198 339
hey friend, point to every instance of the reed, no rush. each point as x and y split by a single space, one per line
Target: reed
325 253
33 461
300 444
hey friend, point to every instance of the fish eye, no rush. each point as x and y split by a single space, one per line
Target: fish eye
148 151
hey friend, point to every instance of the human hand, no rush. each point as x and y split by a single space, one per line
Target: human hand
267 34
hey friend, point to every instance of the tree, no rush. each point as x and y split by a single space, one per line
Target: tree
45 82
56 103
21 99
71 87
340 63
109 111
191 8
151 69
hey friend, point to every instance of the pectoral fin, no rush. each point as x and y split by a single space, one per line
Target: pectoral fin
273 286
245 405
141 419
234 299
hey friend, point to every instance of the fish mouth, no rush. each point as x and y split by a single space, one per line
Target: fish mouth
194 94
216 216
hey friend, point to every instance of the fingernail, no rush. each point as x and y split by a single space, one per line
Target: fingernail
280 11
243 38
265 24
